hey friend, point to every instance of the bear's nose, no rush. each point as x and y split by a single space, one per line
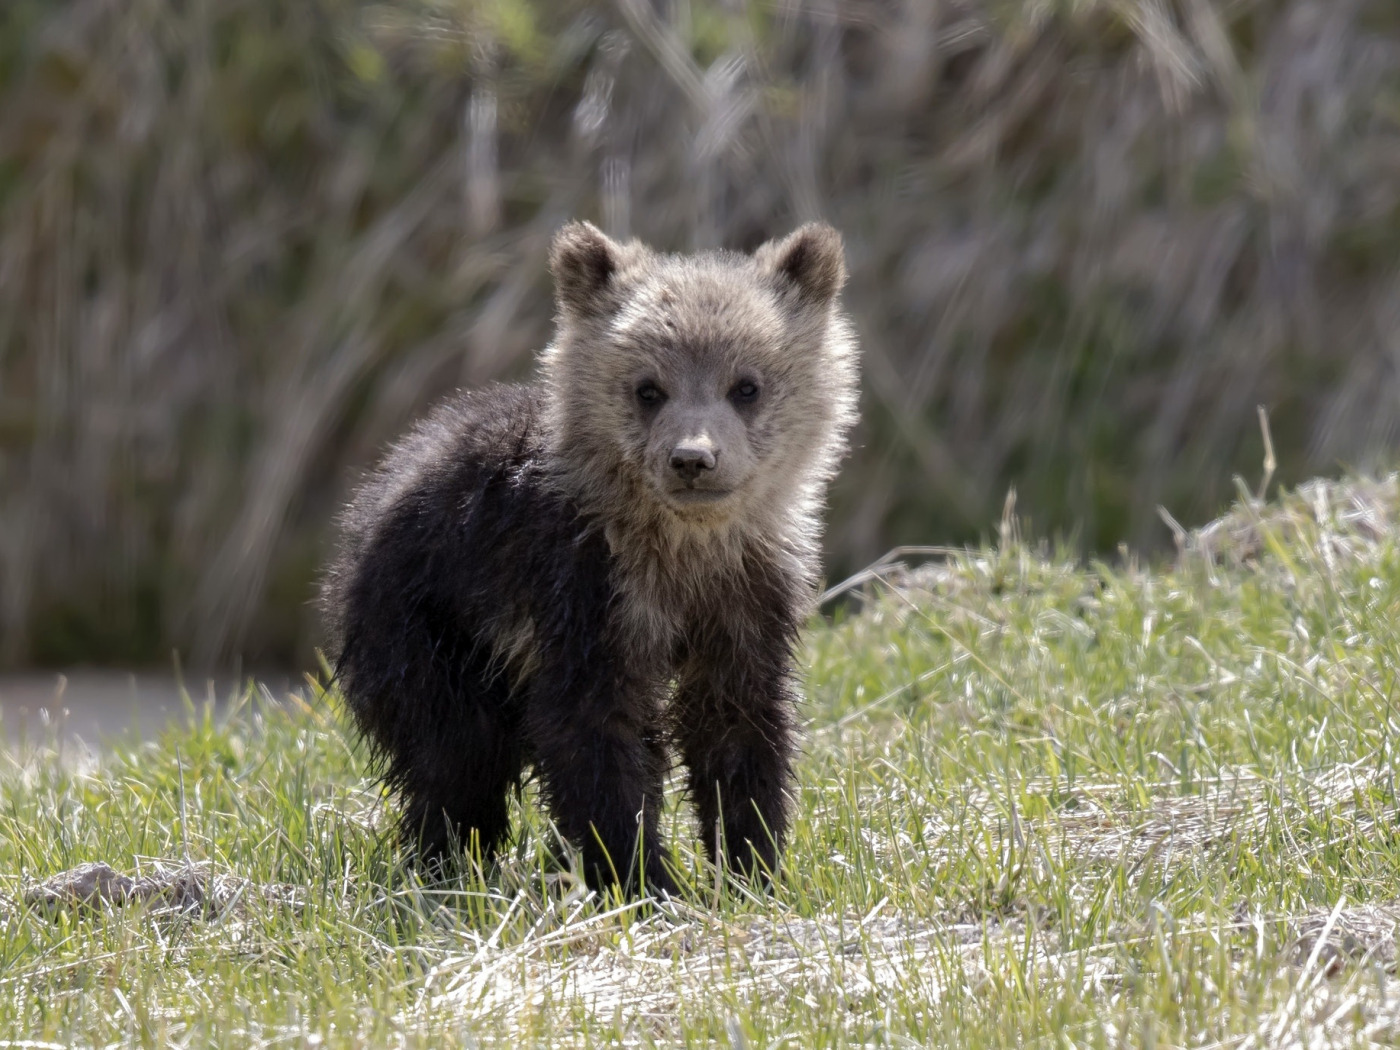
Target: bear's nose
689 460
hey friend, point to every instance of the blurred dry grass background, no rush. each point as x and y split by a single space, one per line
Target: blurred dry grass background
242 242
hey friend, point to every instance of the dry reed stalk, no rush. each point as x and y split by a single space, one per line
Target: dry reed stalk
242 243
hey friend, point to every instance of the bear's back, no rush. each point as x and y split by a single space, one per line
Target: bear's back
443 513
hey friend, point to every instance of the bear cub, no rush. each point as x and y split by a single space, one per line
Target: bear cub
584 573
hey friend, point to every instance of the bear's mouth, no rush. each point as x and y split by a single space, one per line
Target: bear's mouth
692 496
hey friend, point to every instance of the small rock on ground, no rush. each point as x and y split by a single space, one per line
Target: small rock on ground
169 886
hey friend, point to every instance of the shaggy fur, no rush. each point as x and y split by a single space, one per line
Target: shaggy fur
582 573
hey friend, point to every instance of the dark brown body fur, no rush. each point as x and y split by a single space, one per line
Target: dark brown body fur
534 578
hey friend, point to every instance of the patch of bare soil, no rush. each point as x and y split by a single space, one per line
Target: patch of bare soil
1365 933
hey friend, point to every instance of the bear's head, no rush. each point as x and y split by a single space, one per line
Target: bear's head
710 387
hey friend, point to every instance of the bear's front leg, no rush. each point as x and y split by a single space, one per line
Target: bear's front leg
602 763
733 724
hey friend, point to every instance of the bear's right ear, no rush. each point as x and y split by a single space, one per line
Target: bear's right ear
583 261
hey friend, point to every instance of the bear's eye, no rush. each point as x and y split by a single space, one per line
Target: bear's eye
649 393
745 392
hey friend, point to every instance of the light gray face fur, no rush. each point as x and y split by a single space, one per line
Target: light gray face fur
700 390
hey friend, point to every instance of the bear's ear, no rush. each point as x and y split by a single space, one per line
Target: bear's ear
583 261
811 259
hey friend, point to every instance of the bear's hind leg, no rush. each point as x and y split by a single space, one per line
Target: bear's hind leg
456 787
454 749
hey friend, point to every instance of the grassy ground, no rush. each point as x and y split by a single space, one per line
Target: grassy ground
1040 803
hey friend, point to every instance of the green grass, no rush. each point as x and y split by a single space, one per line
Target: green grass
1040 803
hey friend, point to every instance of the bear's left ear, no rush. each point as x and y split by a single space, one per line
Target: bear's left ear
584 261
811 260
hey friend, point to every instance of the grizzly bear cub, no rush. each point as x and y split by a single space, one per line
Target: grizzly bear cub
580 573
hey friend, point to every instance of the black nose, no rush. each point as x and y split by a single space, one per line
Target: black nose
689 460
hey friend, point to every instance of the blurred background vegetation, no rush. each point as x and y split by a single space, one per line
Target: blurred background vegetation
243 242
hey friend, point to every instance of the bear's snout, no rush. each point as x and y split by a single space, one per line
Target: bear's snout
690 459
